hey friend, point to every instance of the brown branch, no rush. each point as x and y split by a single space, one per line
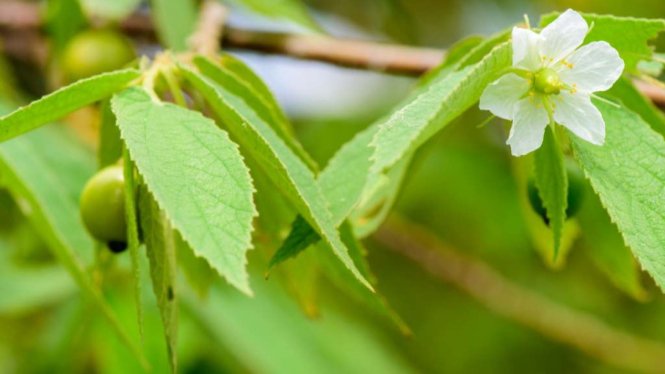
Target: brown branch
351 53
578 329
17 18
19 15
209 30
654 92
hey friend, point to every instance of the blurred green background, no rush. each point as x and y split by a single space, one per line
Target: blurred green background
462 187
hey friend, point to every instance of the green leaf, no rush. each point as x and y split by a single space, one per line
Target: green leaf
347 183
24 290
627 174
396 20
653 68
434 108
197 271
464 53
276 212
110 145
461 49
302 276
479 52
236 77
63 19
197 176
351 186
272 323
289 174
540 234
243 72
629 36
552 183
345 177
133 241
292 10
160 247
375 301
541 239
7 82
343 183
175 21
378 198
111 10
64 101
606 248
49 184
40 176
301 236
354 190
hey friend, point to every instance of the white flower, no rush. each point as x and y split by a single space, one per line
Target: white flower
552 81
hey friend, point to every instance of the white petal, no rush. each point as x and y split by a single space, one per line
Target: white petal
594 67
530 121
562 36
501 96
579 115
526 44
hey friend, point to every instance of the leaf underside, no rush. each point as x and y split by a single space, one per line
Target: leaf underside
160 247
196 175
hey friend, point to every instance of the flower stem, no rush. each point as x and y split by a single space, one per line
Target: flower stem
174 87
485 121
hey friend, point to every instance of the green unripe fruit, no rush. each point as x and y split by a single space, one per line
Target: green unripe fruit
103 207
575 195
94 52
546 81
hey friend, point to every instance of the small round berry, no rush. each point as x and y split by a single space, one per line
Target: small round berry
94 52
103 207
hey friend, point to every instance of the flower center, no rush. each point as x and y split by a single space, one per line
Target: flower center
546 81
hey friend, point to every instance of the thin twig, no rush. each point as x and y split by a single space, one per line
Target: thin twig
352 53
387 58
652 90
578 329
